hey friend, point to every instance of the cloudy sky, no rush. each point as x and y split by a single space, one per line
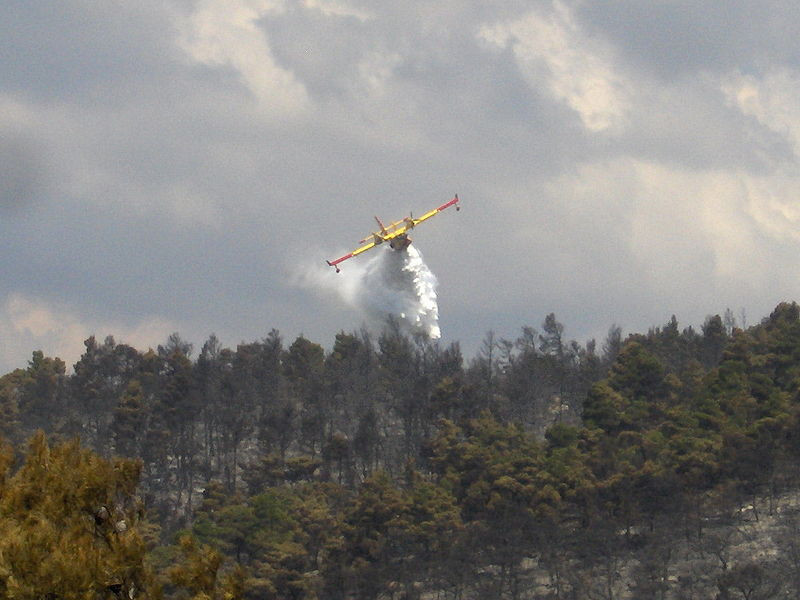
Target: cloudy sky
177 165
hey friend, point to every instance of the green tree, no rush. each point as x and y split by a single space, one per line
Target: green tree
304 366
373 541
101 377
173 417
199 573
69 526
10 391
403 390
41 395
129 421
714 339
498 475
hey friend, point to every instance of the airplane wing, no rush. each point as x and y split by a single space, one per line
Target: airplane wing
436 211
356 252
392 231
387 237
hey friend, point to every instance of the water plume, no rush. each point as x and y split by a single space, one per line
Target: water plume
400 285
389 284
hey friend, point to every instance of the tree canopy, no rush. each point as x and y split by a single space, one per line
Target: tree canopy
389 468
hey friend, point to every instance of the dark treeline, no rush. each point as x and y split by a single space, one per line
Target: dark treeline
651 467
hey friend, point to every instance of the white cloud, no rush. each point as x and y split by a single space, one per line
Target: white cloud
553 53
774 101
28 324
683 229
774 203
78 160
14 114
376 70
226 33
338 9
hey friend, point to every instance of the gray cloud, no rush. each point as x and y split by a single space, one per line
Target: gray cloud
23 174
158 174
67 50
679 39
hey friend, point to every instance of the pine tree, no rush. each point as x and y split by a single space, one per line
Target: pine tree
69 526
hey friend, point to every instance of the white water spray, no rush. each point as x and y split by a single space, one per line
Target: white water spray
389 284
399 284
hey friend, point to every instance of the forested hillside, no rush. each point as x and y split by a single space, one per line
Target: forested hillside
663 465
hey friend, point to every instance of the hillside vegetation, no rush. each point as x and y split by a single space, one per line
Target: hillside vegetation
664 465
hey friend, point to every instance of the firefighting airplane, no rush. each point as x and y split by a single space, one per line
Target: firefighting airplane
396 233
